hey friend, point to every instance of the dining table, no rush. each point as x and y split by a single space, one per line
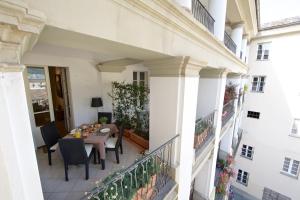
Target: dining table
98 138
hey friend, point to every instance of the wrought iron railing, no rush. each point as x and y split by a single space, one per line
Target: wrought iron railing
240 99
229 43
235 145
204 131
202 15
147 178
228 112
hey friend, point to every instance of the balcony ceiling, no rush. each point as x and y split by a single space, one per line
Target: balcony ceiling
242 11
233 13
59 42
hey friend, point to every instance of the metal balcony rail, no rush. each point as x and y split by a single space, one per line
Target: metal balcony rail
237 143
147 178
202 15
240 99
204 131
228 111
229 43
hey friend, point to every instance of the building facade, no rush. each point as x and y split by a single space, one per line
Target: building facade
268 157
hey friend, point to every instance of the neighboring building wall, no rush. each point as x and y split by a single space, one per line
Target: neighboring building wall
279 104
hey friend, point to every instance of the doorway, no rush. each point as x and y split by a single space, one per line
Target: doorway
48 99
60 98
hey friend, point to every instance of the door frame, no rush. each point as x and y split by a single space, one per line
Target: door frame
36 134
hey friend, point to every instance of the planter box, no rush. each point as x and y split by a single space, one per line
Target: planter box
127 132
146 191
200 138
139 140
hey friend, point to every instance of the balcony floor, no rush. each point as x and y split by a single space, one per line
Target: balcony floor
53 179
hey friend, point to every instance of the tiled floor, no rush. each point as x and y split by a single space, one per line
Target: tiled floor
53 179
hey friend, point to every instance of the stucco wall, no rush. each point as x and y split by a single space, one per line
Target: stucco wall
278 106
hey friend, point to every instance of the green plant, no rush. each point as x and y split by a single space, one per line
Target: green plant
246 88
103 120
130 106
201 126
230 93
127 184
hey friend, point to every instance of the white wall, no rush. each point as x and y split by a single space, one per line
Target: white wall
278 105
125 76
207 92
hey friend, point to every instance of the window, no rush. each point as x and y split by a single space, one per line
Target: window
140 78
290 167
247 151
242 177
252 114
258 83
39 96
263 51
295 127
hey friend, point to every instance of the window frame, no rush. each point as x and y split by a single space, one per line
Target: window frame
138 80
259 83
265 47
240 180
287 168
251 116
295 130
247 150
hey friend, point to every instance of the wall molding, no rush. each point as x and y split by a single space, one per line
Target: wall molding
175 18
19 29
181 66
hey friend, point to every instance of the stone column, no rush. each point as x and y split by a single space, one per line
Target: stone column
217 8
19 173
221 85
244 48
237 36
187 4
173 104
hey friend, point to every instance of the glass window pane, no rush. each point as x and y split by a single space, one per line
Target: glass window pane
142 76
134 75
39 96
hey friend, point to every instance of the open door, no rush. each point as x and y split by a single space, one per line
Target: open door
60 98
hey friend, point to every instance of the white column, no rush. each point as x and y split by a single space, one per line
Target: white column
173 104
237 36
18 165
244 48
187 4
217 8
218 127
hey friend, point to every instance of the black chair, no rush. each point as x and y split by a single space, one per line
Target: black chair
113 144
50 136
75 152
108 115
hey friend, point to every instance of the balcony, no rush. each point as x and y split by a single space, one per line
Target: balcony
202 15
228 112
204 132
229 43
147 178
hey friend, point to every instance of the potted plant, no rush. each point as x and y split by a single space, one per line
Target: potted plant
201 133
130 108
103 120
230 93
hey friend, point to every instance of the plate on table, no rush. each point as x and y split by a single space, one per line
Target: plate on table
72 132
105 130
